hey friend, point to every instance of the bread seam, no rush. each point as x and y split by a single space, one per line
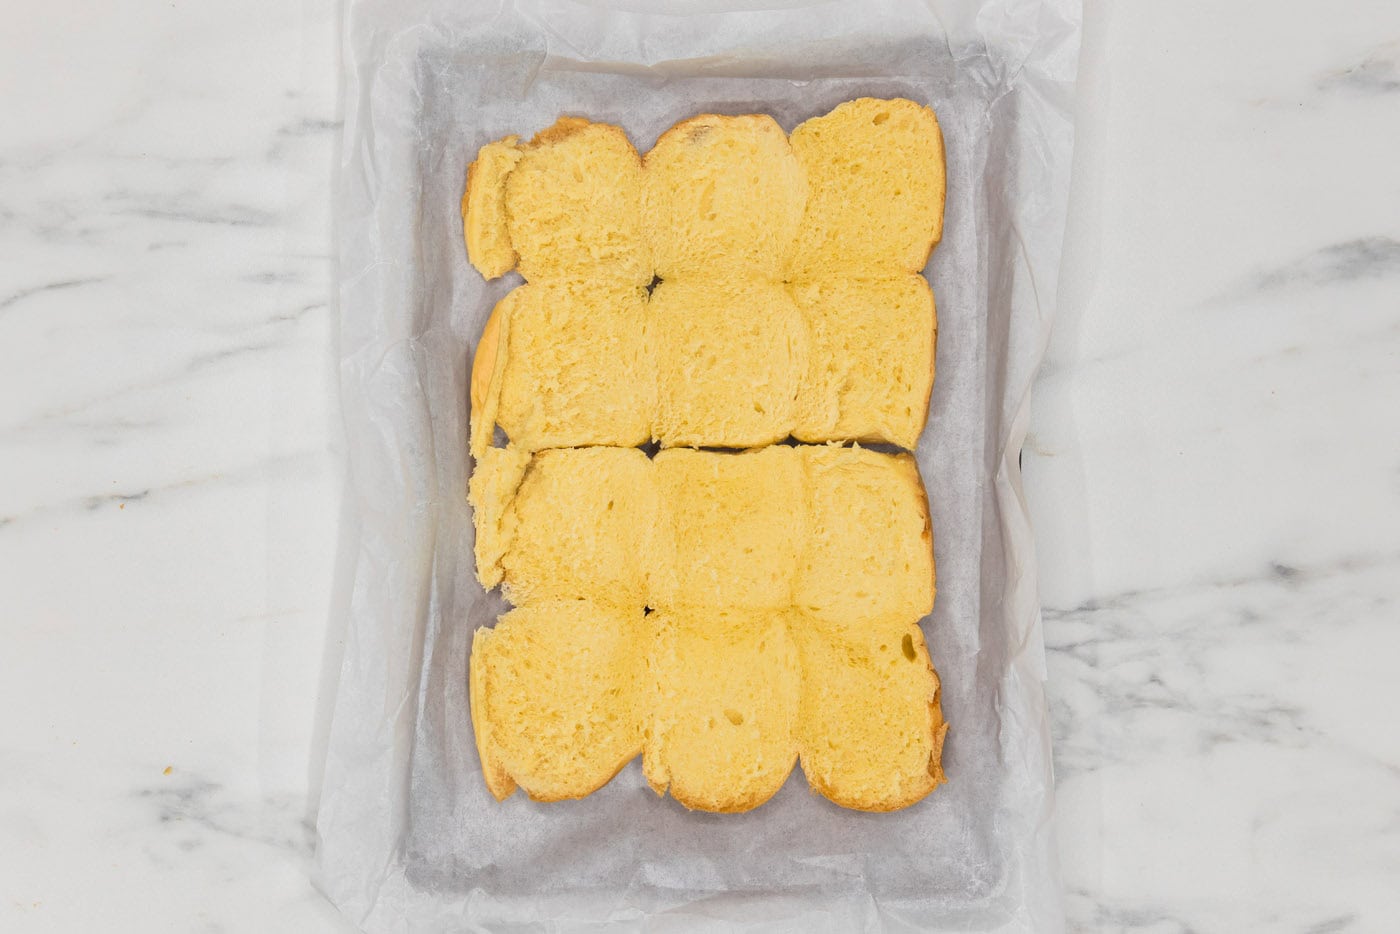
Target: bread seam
927 515
498 781
932 371
477 202
488 372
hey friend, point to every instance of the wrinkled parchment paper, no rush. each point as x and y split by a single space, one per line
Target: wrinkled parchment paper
409 837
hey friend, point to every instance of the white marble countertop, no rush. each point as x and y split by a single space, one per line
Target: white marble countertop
1213 467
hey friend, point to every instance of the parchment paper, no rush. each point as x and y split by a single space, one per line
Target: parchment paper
409 837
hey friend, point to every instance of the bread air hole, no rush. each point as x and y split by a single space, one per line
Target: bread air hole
734 717
880 118
908 645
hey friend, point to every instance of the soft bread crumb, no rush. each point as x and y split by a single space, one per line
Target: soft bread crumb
870 360
830 544
876 184
484 208
491 491
556 697
722 213
736 288
870 726
732 528
488 368
722 196
869 548
724 741
573 205
581 523
576 366
730 355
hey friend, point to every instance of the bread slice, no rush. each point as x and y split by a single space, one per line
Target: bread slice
484 208
731 528
843 533
572 365
784 584
581 526
875 175
722 196
869 542
488 368
491 491
730 355
870 359
871 729
557 692
573 205
724 698
722 209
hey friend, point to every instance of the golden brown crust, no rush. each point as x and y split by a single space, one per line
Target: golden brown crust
700 123
666 140
938 731
661 784
483 208
657 783
733 805
938 727
488 369
942 182
562 129
932 365
498 782
942 185
473 233
484 362
917 481
565 127
855 803
582 791
491 491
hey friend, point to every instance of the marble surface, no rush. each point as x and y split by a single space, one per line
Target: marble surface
1213 467
1214 473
